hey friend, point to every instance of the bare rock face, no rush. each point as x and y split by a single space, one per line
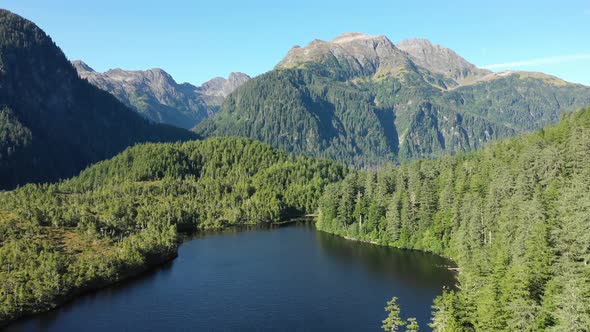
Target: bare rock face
439 59
156 95
358 53
222 87
366 55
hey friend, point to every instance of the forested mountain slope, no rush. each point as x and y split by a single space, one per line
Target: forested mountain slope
156 95
52 123
515 216
362 100
121 216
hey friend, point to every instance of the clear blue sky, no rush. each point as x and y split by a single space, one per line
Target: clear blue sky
197 40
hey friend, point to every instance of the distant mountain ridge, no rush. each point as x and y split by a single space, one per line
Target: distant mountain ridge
364 100
155 94
52 123
222 87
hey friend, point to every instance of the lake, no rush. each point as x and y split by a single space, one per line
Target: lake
290 278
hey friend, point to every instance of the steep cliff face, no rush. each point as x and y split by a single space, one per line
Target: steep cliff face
363 100
156 95
52 123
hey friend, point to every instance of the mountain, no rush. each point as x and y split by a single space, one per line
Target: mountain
156 95
353 54
220 87
362 100
52 123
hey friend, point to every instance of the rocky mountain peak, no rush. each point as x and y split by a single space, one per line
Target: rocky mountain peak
439 59
222 87
237 78
348 37
150 76
362 54
81 66
155 94
357 53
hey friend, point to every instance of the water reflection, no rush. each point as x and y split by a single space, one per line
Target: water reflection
416 268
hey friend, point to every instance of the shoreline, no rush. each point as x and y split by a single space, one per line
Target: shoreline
127 276
455 269
97 286
361 240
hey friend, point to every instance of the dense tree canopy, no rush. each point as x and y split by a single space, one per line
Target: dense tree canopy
328 110
515 216
122 215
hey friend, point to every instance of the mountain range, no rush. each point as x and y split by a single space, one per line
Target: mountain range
364 100
358 99
52 123
156 95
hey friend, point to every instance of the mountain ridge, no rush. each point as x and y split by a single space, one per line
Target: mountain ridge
52 123
155 94
362 100
363 54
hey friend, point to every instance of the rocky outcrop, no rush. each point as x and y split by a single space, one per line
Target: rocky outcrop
439 59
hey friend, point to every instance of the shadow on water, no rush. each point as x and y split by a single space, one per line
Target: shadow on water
416 268
301 222
44 321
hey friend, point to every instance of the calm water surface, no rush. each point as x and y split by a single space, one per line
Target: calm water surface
290 278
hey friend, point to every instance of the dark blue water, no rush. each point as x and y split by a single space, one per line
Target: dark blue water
289 278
